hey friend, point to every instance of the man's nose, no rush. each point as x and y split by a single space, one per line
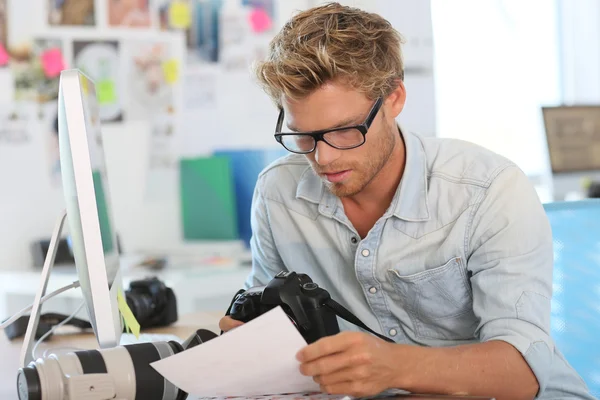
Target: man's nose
325 154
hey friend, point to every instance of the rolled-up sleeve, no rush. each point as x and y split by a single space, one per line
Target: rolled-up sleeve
266 262
511 262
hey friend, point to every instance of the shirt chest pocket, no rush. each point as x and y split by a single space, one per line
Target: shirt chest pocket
439 301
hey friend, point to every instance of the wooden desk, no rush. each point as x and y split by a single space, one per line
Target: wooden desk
10 351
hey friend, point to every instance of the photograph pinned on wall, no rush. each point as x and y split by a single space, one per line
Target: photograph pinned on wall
203 39
4 56
162 151
71 12
235 34
49 126
162 157
16 121
37 71
200 20
99 60
200 89
152 74
129 13
245 33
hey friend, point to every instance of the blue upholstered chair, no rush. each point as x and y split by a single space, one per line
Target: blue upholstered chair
575 321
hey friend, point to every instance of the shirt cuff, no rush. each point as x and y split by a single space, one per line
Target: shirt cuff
532 342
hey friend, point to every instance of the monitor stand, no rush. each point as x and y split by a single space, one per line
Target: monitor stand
34 318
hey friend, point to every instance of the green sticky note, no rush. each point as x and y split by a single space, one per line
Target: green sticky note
131 323
208 199
105 90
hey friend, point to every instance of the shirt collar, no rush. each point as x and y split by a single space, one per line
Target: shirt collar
409 202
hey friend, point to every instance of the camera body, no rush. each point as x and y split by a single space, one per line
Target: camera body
302 300
152 302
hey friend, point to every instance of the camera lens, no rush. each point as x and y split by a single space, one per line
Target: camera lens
141 305
28 384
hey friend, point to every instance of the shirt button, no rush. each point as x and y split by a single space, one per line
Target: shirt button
393 332
373 290
365 253
354 240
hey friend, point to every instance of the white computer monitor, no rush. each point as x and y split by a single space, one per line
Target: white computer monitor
87 198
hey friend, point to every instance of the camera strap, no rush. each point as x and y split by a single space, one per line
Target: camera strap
343 313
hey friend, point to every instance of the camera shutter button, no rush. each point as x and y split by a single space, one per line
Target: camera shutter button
310 286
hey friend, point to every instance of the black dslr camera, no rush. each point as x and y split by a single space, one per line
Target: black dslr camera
152 302
311 308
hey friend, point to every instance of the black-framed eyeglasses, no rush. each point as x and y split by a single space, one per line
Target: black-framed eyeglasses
343 138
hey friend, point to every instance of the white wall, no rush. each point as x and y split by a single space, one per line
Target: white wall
29 204
493 75
579 23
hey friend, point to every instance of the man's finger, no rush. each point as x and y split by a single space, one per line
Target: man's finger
228 323
327 346
326 365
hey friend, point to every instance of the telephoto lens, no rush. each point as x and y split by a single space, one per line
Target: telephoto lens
122 372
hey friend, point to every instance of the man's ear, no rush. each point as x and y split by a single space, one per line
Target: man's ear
394 103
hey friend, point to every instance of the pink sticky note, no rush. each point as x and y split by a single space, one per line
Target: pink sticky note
3 55
260 20
52 61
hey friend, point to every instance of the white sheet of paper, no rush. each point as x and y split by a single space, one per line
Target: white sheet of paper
296 396
257 358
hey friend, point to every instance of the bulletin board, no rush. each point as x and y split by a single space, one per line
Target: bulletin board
175 84
185 64
196 53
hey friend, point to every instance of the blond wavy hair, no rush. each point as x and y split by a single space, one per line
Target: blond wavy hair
332 43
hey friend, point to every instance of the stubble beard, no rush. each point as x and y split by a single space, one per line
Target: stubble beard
363 175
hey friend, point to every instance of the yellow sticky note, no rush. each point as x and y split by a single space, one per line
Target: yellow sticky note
131 324
586 183
106 92
171 71
180 14
84 86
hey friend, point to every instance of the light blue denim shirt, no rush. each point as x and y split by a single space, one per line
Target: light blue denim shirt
462 255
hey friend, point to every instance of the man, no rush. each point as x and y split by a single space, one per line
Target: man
438 244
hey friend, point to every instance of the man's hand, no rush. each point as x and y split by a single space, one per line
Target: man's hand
351 363
227 323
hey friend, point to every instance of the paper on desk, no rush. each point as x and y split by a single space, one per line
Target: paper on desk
258 358
294 396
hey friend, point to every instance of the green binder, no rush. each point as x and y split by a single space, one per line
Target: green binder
207 199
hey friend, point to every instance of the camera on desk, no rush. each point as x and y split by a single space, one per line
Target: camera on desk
152 302
303 301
